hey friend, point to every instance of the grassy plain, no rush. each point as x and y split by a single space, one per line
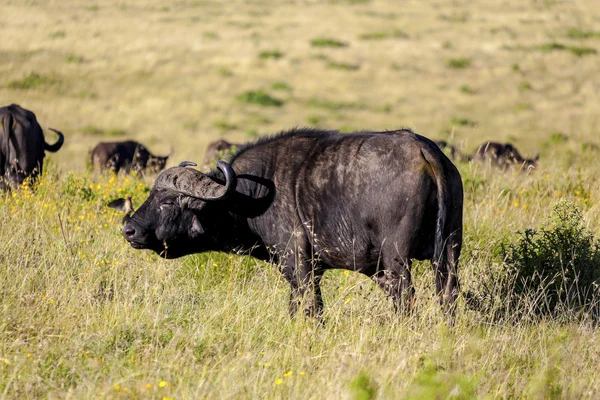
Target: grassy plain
84 316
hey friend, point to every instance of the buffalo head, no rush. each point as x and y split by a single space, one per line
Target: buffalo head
183 205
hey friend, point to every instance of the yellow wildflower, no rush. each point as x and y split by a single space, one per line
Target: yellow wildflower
278 381
162 384
287 374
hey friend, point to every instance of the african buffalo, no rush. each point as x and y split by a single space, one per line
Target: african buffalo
314 200
453 151
22 146
217 148
127 156
504 155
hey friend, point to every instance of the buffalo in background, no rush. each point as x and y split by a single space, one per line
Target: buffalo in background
504 155
128 156
216 149
501 155
22 146
315 200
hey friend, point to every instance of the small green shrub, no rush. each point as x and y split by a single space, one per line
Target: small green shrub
260 98
458 63
328 42
559 264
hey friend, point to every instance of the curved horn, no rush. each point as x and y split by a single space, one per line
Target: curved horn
187 164
56 146
196 184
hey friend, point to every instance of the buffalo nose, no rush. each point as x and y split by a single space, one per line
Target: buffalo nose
128 231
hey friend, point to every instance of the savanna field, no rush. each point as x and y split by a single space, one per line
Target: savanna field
83 315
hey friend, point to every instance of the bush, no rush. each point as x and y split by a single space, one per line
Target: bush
559 264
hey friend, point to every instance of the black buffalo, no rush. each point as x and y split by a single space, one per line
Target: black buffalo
22 146
453 151
217 148
504 155
128 156
314 200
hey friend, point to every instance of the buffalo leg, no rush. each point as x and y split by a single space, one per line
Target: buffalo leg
305 282
395 280
447 276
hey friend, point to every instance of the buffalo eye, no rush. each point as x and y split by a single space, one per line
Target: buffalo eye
166 205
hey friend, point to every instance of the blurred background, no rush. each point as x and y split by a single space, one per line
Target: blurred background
184 73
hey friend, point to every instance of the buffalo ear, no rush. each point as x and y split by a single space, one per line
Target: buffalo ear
118 204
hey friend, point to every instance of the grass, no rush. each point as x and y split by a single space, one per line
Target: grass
334 105
96 131
280 85
328 42
343 66
458 63
85 316
274 54
576 33
575 50
396 34
260 98
33 80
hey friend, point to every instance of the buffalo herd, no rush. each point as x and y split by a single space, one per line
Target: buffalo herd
308 200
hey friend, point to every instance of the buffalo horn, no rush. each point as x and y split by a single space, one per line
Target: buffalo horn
194 183
56 146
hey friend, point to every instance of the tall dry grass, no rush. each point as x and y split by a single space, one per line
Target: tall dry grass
84 316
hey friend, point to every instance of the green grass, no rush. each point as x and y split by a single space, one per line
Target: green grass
280 85
458 63
343 66
274 54
575 50
396 33
74 59
576 33
96 131
259 97
328 42
224 125
33 81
